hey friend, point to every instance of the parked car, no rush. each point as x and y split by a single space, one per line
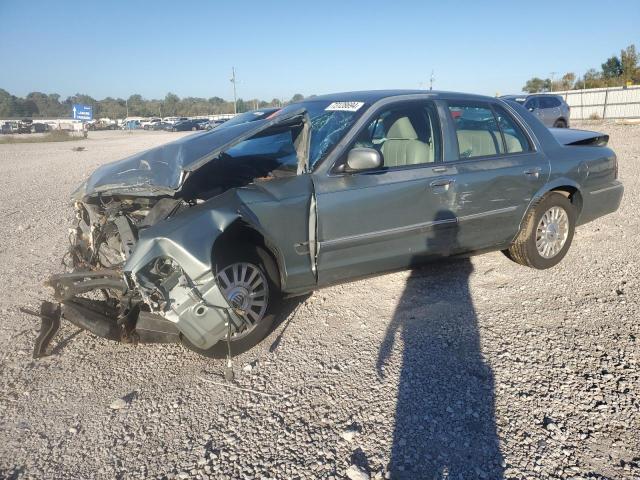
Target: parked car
185 125
161 126
211 124
131 125
199 239
250 116
37 127
201 122
22 126
551 110
149 123
174 119
99 125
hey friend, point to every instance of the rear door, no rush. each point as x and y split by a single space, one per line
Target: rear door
392 217
548 111
497 171
534 106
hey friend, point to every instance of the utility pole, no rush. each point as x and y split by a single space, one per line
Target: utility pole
431 81
126 102
235 98
553 74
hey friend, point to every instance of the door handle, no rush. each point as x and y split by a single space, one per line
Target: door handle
533 172
442 184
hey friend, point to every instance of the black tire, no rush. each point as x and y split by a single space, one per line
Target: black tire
265 262
524 250
560 124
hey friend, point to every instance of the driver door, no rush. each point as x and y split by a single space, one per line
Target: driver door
391 217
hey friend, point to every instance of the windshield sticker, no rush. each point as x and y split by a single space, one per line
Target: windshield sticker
344 107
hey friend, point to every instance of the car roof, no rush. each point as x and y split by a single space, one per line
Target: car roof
372 96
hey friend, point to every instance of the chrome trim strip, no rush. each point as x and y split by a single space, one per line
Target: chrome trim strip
351 240
390 232
606 189
488 213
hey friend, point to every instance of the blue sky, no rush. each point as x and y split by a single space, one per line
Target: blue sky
117 48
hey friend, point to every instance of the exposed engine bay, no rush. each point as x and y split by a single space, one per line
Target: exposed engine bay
130 286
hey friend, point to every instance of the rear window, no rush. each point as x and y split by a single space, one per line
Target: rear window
477 130
481 133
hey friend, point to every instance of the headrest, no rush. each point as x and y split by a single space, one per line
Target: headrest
401 129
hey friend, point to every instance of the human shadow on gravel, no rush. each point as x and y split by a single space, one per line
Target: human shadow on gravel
444 419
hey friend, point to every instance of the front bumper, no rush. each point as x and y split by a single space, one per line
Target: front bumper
196 310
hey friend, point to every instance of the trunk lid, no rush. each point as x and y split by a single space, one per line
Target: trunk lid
570 136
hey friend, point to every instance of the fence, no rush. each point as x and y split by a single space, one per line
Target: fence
611 102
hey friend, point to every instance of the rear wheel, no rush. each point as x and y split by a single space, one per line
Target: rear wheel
249 281
546 233
560 123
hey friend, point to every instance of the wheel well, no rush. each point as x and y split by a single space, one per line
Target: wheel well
235 238
573 194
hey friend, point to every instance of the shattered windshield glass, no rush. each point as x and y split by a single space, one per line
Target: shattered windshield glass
330 121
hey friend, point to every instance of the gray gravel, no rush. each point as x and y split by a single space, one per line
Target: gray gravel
469 369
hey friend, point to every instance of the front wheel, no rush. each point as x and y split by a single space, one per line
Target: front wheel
546 233
248 279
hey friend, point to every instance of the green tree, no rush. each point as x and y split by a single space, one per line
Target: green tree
629 64
170 104
591 79
535 85
298 97
567 81
7 104
612 69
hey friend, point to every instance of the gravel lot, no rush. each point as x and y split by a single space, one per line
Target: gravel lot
468 369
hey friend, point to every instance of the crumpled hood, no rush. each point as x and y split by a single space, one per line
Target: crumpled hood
162 170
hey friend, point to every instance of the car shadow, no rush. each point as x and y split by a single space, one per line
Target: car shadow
444 420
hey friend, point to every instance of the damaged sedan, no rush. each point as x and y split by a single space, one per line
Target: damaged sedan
197 241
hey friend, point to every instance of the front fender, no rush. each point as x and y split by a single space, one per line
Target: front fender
189 295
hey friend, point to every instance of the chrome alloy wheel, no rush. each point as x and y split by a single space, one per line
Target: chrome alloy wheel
552 232
246 289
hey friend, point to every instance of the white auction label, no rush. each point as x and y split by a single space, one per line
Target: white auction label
344 107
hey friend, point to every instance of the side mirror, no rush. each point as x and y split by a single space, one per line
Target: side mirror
361 159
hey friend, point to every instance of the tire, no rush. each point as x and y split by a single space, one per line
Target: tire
524 249
560 124
193 129
261 259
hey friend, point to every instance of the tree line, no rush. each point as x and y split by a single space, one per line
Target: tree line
616 71
43 105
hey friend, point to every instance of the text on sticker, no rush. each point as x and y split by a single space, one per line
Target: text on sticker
344 106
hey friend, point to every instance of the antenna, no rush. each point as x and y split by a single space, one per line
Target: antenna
235 96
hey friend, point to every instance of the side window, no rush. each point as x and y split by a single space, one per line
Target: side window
404 135
531 104
546 102
477 130
554 102
514 138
